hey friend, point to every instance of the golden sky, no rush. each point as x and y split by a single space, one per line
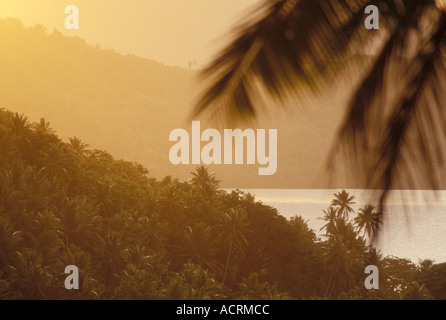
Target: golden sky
169 31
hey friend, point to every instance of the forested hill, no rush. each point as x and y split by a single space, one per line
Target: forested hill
128 106
122 104
136 237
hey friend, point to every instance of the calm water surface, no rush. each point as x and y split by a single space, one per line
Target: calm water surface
414 225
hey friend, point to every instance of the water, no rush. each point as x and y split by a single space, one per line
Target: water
414 224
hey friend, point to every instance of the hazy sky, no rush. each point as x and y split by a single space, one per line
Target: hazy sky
169 31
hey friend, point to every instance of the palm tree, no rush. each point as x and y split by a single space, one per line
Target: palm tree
368 219
42 127
233 229
78 146
198 246
76 226
340 264
110 260
374 257
287 46
171 202
204 181
31 277
201 285
343 201
104 196
9 242
5 146
329 217
57 162
20 126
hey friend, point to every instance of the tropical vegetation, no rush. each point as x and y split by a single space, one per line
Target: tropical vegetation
136 237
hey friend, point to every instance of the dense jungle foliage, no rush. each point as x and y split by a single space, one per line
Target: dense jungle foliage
136 237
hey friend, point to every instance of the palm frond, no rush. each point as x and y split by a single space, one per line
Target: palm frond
394 128
292 45
397 141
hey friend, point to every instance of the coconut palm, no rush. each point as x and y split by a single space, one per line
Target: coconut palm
78 146
340 263
9 241
368 220
104 196
329 217
110 259
233 230
205 181
43 127
171 202
287 46
373 257
31 277
20 126
76 226
343 201
198 246
5 146
200 284
57 162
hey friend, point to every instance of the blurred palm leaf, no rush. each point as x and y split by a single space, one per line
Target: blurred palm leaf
394 125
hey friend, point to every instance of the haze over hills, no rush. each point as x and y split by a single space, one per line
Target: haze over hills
128 106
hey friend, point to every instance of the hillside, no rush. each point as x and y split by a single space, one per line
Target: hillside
135 237
128 106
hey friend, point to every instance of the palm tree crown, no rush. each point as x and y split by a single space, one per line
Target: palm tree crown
343 202
368 220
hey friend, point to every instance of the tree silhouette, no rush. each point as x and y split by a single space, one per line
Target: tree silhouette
340 264
374 257
78 146
205 181
368 219
343 201
42 127
329 217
